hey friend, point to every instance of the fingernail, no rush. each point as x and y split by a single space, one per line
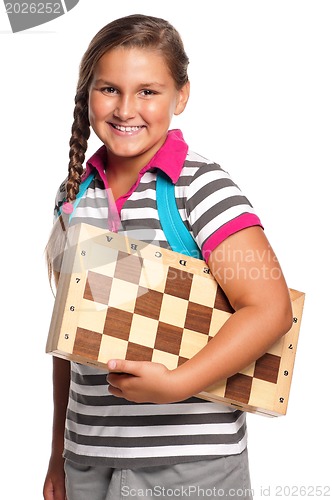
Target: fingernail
112 364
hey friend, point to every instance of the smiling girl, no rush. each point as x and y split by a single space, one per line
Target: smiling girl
139 430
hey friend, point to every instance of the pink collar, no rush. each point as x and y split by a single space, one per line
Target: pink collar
170 158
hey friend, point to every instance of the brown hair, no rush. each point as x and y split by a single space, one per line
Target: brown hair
135 31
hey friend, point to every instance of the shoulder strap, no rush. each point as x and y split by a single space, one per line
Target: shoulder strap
177 235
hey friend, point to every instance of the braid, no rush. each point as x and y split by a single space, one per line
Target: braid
78 145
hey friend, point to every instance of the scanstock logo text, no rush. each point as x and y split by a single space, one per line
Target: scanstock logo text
26 14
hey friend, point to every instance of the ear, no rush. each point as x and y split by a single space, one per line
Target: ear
182 98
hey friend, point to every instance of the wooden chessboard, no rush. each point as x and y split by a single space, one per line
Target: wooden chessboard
122 298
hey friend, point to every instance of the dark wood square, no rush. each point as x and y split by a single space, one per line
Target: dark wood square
182 360
87 343
137 352
128 268
168 338
238 387
267 368
148 303
118 323
221 301
178 283
97 287
198 318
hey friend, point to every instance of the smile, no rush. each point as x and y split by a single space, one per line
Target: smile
121 128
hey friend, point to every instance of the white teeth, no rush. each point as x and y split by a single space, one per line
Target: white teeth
126 129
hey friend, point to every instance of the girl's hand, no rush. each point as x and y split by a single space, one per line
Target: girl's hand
54 486
143 382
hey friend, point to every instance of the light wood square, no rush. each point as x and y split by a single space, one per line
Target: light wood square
143 330
106 261
167 359
249 370
153 275
277 348
91 316
192 343
173 310
123 295
218 389
262 394
217 321
203 290
112 348
98 257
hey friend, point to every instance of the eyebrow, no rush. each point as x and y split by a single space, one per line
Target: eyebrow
153 84
101 81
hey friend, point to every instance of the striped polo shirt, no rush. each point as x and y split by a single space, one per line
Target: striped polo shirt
102 429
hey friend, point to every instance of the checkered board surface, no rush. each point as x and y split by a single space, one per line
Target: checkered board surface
122 298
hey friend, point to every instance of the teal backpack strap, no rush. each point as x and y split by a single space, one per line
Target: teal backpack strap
83 187
177 235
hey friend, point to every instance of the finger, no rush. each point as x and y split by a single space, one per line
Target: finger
124 366
114 379
115 391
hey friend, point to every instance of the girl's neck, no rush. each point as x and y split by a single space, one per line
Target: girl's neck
122 173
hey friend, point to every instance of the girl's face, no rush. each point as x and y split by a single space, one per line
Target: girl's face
132 100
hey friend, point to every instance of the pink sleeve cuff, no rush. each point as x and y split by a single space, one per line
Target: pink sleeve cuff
235 225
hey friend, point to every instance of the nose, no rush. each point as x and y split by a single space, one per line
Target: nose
125 108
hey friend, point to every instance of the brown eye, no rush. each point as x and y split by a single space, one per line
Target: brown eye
108 90
147 92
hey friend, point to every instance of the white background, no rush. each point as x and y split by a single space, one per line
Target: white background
261 106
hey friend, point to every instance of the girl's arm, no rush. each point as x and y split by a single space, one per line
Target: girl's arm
249 273
54 486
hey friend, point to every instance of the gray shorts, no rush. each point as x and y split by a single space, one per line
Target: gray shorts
225 477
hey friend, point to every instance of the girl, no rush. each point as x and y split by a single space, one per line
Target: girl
139 431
